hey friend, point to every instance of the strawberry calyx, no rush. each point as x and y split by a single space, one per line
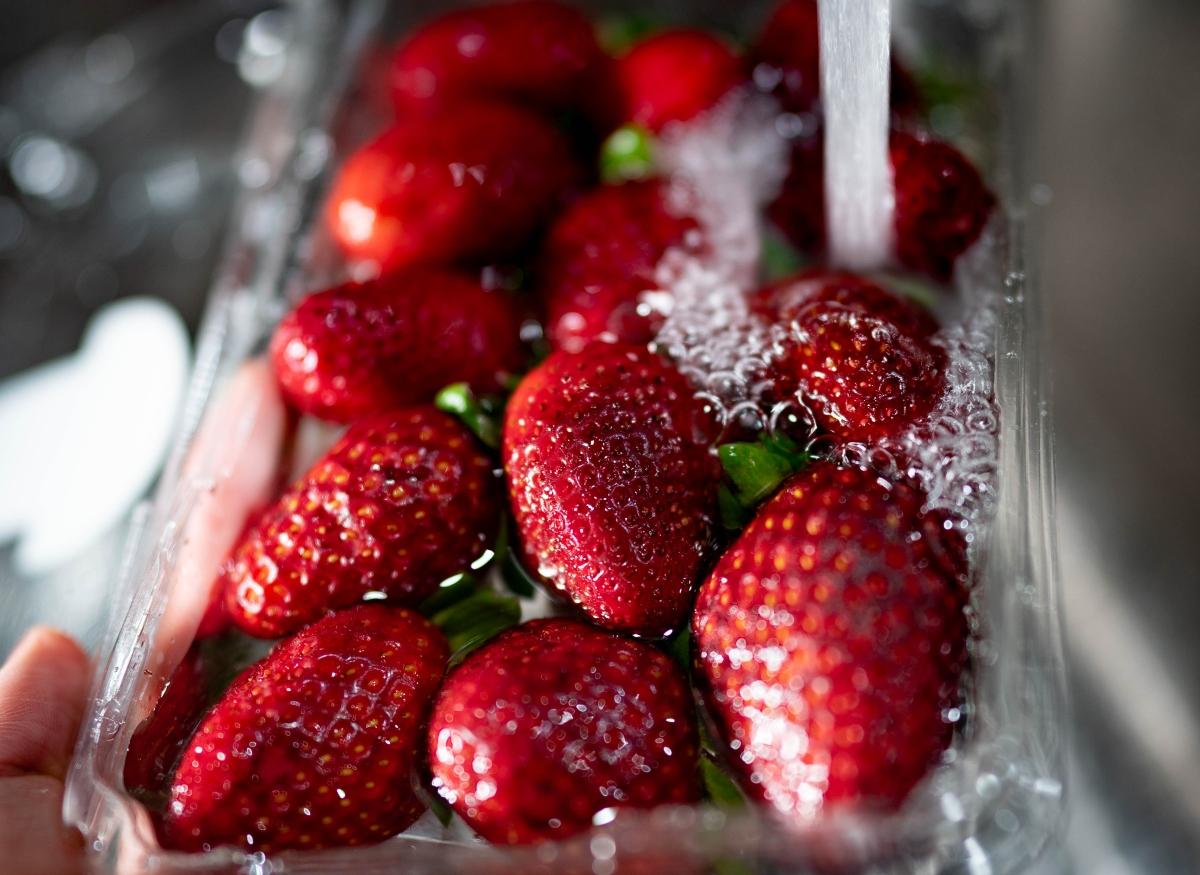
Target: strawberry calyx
720 788
627 153
753 471
779 257
618 33
480 414
469 614
476 619
516 576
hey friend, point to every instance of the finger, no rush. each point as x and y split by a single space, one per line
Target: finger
43 688
32 835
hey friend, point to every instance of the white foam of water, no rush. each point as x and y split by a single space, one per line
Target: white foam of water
952 453
855 44
723 169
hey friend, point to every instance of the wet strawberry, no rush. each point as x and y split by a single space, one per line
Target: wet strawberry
473 180
675 75
859 357
941 205
786 62
787 299
555 720
832 638
613 492
538 52
401 502
314 746
799 208
364 348
158 741
598 263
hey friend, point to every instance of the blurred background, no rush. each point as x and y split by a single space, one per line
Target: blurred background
118 127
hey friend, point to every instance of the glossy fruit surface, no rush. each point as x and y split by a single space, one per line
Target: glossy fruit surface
858 357
613 491
675 75
403 501
554 721
941 202
315 746
786 61
598 263
832 640
469 181
364 348
539 52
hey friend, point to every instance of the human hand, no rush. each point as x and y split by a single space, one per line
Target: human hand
43 688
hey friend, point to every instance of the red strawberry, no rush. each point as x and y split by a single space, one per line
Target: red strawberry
941 202
469 181
598 260
538 52
402 501
674 76
555 720
364 348
799 208
158 740
787 62
859 357
787 299
613 492
314 746
832 639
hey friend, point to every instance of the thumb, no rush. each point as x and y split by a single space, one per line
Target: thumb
43 688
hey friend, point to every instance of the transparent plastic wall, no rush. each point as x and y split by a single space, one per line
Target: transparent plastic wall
988 809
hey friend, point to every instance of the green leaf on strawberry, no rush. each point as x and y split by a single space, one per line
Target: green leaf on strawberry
476 619
627 154
919 291
450 591
779 258
443 812
617 33
755 470
719 787
479 414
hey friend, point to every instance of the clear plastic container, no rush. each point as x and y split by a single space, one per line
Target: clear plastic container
989 809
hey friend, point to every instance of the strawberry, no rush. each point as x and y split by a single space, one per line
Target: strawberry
472 180
941 202
857 356
675 75
158 741
364 348
613 491
786 299
404 500
831 639
315 746
786 62
598 262
538 52
799 208
553 721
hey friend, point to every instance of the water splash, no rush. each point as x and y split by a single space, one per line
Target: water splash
723 169
952 453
